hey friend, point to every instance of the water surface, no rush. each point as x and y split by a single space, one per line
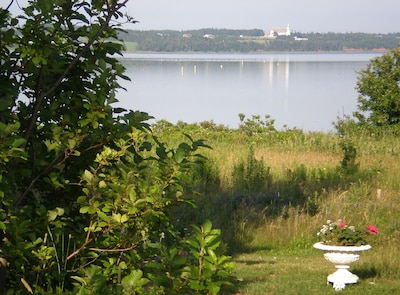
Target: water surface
303 90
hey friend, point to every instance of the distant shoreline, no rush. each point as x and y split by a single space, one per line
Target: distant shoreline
350 50
378 50
254 41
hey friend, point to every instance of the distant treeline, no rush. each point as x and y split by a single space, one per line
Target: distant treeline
225 40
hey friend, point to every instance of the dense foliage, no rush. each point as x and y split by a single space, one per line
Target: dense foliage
86 190
223 40
379 89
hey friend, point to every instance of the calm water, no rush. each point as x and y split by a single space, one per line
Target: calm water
307 91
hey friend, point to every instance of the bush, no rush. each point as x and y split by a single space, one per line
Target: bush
87 190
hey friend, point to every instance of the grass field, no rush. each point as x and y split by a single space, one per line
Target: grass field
278 272
270 193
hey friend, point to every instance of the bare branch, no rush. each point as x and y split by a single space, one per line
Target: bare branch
9 5
133 246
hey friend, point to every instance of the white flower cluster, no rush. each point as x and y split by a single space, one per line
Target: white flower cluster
323 230
329 226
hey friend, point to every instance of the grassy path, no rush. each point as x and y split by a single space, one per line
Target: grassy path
264 272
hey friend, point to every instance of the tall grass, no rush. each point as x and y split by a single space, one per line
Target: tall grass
275 189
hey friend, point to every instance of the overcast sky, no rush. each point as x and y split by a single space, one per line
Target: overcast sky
303 15
369 16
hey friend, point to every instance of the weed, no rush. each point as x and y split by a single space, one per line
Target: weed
251 175
349 164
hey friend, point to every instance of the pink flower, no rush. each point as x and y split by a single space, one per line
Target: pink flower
342 224
372 229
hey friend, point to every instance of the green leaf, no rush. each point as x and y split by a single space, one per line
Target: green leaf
84 209
196 285
123 265
180 155
87 176
79 279
214 287
36 60
102 216
207 226
161 153
71 144
18 142
124 218
52 214
134 280
210 238
102 184
120 218
213 257
182 151
60 211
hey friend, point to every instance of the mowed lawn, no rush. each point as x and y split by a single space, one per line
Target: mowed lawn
268 272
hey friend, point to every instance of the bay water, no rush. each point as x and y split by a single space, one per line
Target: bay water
308 91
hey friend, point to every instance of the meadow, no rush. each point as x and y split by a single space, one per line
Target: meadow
269 191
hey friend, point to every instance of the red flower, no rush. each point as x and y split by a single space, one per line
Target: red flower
372 229
342 224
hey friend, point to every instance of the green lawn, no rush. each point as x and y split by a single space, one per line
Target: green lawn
269 272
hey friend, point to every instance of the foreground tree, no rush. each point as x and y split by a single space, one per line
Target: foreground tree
379 89
86 189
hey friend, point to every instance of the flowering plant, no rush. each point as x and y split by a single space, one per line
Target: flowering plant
340 234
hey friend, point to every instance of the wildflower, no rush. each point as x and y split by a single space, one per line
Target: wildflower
372 229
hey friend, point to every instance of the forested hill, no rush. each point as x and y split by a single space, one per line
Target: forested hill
225 40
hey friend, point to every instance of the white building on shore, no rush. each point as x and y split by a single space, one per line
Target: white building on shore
275 32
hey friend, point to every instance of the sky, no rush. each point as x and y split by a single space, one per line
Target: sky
306 16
